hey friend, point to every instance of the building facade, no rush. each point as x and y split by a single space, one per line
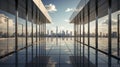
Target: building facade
97 32
22 24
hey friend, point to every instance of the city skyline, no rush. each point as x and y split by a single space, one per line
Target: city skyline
60 13
59 33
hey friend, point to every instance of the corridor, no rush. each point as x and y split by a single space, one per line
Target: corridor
59 33
56 52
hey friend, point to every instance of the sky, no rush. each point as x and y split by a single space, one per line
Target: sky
60 12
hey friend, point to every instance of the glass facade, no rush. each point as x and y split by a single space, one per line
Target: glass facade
96 40
7 29
22 26
97 33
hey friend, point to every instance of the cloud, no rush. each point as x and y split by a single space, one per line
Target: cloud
69 10
72 10
62 28
114 22
4 20
11 23
77 10
51 8
67 21
68 62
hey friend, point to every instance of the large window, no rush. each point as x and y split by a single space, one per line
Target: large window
103 42
7 27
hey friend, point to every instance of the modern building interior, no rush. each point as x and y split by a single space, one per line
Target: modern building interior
94 42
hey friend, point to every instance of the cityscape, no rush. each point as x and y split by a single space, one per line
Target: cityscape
62 33
59 33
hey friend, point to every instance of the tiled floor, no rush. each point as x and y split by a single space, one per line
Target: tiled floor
54 52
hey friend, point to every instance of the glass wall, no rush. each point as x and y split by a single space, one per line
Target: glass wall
92 33
100 30
115 28
7 28
103 33
115 31
19 32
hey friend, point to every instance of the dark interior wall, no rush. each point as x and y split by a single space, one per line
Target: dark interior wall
8 6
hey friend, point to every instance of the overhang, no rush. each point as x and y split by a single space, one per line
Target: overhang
42 8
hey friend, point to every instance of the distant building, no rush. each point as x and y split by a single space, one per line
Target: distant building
63 33
51 32
47 32
70 33
114 34
100 34
67 32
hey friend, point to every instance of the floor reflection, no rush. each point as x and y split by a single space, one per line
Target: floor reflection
51 52
54 52
59 53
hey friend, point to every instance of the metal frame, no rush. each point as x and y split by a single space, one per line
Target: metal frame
118 37
77 42
16 36
7 33
36 31
80 41
96 37
88 34
26 39
32 32
109 34
83 38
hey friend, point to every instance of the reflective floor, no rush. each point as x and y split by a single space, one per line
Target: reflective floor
54 52
60 51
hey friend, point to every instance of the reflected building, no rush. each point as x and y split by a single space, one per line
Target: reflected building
63 33
71 33
114 34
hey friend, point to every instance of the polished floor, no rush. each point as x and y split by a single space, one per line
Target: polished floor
54 52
